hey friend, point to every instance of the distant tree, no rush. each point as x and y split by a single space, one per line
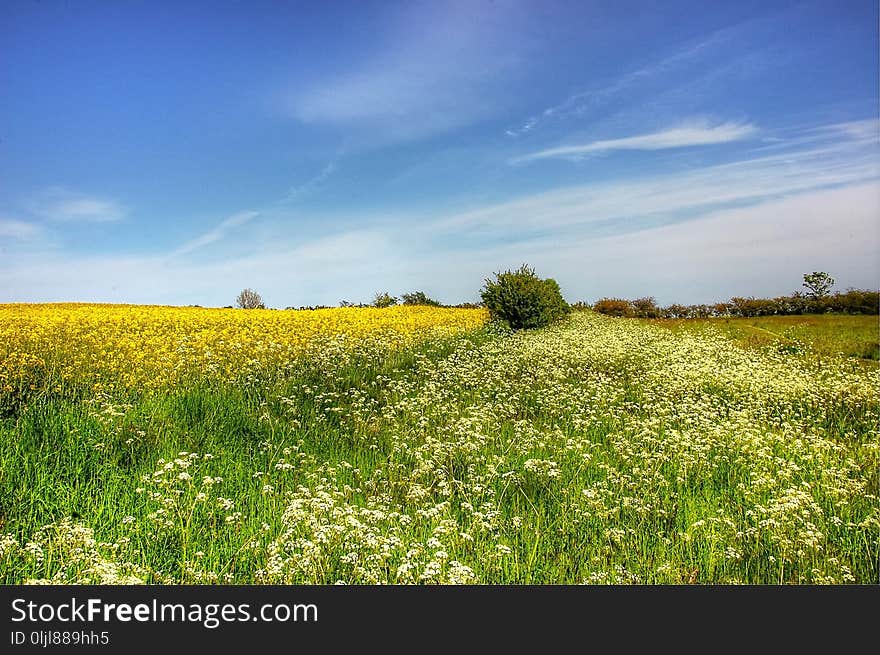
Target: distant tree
418 298
384 299
818 284
249 299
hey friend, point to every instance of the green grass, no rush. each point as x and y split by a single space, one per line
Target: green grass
822 334
598 450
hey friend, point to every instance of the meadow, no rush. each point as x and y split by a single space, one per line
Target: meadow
427 445
830 335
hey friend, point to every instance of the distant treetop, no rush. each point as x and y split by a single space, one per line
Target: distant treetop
818 284
249 299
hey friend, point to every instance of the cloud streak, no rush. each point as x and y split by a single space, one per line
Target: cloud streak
761 249
18 230
679 76
579 103
636 203
695 133
217 233
303 273
297 192
440 67
61 205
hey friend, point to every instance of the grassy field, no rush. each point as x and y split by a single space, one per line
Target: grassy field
598 450
820 334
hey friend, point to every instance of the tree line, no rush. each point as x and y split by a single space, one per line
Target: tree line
250 299
816 299
523 300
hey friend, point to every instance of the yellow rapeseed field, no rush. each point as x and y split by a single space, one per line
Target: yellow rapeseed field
138 346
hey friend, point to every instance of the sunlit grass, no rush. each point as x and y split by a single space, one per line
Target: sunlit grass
822 334
598 450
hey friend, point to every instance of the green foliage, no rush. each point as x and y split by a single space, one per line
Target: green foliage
384 299
524 300
419 298
818 283
827 335
852 301
818 300
646 307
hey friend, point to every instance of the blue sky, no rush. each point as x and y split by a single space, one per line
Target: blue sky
175 153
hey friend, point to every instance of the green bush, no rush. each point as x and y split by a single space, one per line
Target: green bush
419 298
384 299
523 300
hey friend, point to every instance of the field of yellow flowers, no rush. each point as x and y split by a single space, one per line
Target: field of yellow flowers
419 445
136 346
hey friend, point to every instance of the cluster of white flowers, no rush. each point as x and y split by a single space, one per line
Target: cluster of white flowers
68 553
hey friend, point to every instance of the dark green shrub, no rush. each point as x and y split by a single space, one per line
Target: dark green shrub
856 301
383 300
752 306
676 311
419 298
523 300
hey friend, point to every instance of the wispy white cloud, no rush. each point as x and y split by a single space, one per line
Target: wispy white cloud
440 67
324 270
694 133
863 130
578 103
860 131
763 249
633 203
745 227
229 225
66 206
301 190
18 230
220 231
